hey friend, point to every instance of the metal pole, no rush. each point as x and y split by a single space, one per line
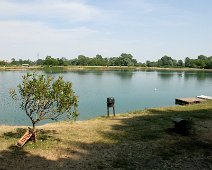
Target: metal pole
113 111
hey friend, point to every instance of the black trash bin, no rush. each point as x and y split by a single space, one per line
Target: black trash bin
110 102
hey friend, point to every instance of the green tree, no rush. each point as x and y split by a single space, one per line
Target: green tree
209 63
99 61
42 98
82 60
125 60
202 57
200 63
74 62
39 62
180 63
62 61
3 63
13 61
111 61
166 61
50 61
187 62
151 63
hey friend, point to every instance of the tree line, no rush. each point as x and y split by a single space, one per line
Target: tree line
124 59
202 61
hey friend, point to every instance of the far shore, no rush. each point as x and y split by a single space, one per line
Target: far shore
98 68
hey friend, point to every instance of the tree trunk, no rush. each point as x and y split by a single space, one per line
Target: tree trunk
33 126
33 131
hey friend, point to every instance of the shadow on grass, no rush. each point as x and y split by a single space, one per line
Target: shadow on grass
152 143
41 134
135 142
156 125
18 158
17 134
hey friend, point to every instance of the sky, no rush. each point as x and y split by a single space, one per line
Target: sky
147 29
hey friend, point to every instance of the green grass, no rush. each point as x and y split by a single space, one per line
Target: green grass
136 140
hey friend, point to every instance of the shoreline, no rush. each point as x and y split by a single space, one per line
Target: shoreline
118 115
98 68
128 141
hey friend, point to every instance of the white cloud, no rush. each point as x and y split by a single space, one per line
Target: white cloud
23 39
20 31
49 9
72 27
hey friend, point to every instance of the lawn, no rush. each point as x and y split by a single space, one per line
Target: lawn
136 140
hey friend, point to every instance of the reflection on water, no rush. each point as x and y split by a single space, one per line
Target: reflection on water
133 90
53 70
198 75
165 75
180 74
187 75
124 74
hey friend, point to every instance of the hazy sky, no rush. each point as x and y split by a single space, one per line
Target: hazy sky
148 29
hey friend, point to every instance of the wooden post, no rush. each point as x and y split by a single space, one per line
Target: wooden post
113 111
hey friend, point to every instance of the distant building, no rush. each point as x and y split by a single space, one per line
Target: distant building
26 65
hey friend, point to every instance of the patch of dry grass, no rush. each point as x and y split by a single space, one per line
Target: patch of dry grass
137 140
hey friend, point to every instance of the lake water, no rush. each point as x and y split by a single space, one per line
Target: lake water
132 90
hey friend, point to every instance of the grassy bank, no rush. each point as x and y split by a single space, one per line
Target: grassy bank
78 68
136 140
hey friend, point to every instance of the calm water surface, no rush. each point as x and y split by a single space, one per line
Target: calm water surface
133 90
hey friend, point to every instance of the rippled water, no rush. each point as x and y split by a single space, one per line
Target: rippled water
132 90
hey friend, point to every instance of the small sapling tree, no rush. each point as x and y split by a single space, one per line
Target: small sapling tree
42 98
